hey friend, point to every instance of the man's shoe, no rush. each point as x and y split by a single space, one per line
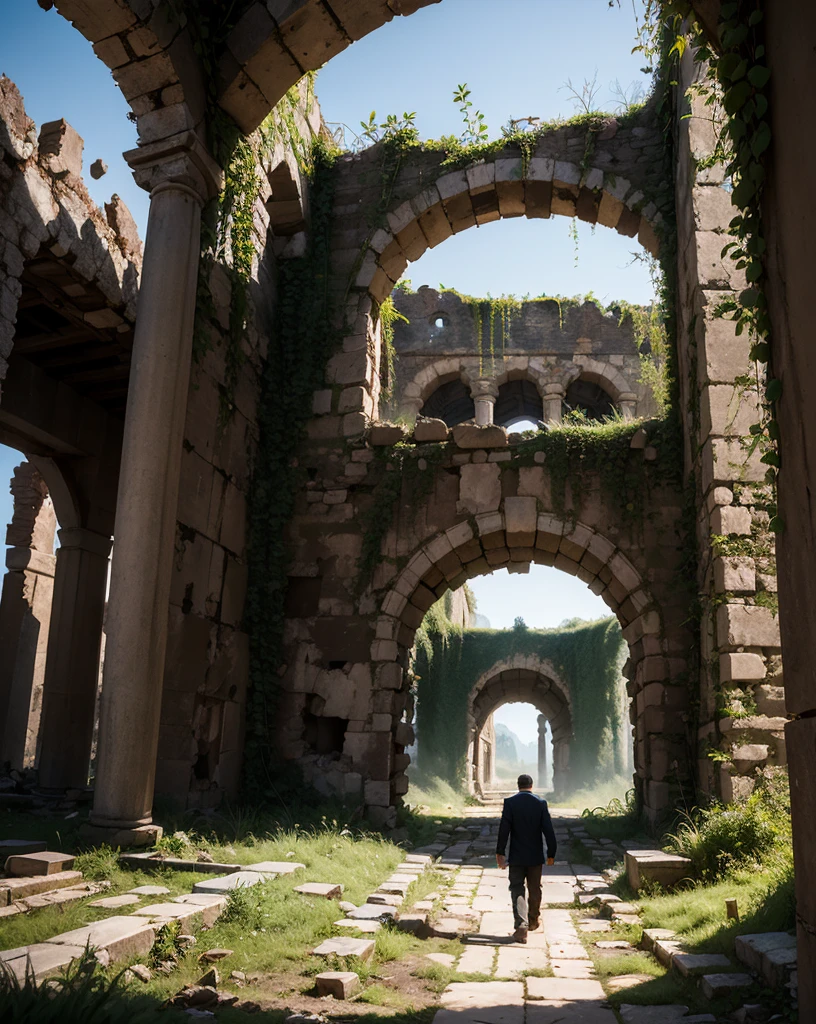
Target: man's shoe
534 925
520 935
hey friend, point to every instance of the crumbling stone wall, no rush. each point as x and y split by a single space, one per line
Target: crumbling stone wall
742 704
545 343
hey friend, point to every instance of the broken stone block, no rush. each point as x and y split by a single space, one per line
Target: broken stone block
328 890
141 972
667 869
60 149
46 863
469 435
345 946
383 435
123 226
338 984
98 169
41 959
415 924
427 431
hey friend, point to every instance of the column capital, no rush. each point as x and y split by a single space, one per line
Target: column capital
484 388
85 540
180 160
29 560
554 389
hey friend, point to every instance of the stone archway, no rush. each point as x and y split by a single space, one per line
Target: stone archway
525 679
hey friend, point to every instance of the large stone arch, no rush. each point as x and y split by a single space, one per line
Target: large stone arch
153 55
529 679
506 186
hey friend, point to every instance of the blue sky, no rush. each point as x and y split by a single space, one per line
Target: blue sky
515 55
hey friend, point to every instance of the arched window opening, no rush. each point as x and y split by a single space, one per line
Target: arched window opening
588 398
452 402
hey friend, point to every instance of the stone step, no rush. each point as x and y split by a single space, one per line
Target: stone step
20 888
771 954
714 985
345 946
47 862
12 847
150 862
690 964
326 890
666 869
120 937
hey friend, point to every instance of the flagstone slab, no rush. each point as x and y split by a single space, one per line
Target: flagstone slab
622 981
366 927
345 946
150 890
47 862
41 959
114 902
276 867
669 1014
477 960
327 890
237 880
565 989
572 968
446 959
202 899
372 912
122 937
714 985
567 951
513 961
481 995
160 913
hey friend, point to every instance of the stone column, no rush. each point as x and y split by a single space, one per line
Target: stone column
553 398
25 610
72 668
627 403
180 176
542 751
485 392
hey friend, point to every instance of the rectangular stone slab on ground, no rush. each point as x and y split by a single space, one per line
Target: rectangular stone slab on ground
470 994
48 862
150 862
122 937
328 890
127 899
371 912
572 968
345 946
513 961
655 866
564 989
366 927
275 867
41 959
237 880
150 890
159 913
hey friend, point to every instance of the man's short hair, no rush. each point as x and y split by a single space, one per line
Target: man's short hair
525 782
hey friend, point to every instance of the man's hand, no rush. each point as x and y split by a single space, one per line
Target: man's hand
550 861
501 861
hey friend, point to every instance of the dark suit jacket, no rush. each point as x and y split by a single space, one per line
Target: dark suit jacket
525 821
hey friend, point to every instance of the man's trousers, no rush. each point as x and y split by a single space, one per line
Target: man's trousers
529 909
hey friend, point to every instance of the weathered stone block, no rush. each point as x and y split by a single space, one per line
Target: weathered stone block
430 430
735 574
520 516
740 625
468 435
384 435
741 667
656 866
749 756
338 984
480 487
727 520
60 148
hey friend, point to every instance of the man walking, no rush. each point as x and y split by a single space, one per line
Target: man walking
526 823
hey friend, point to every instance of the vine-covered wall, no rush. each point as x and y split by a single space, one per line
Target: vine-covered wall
587 657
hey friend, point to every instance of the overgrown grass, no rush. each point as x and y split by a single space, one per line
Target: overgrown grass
429 793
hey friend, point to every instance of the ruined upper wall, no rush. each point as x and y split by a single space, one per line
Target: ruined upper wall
46 213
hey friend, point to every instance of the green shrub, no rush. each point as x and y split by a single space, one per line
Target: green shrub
720 838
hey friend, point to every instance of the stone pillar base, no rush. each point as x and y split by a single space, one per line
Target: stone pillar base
140 835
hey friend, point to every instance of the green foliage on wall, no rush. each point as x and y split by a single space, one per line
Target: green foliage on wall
587 657
302 342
